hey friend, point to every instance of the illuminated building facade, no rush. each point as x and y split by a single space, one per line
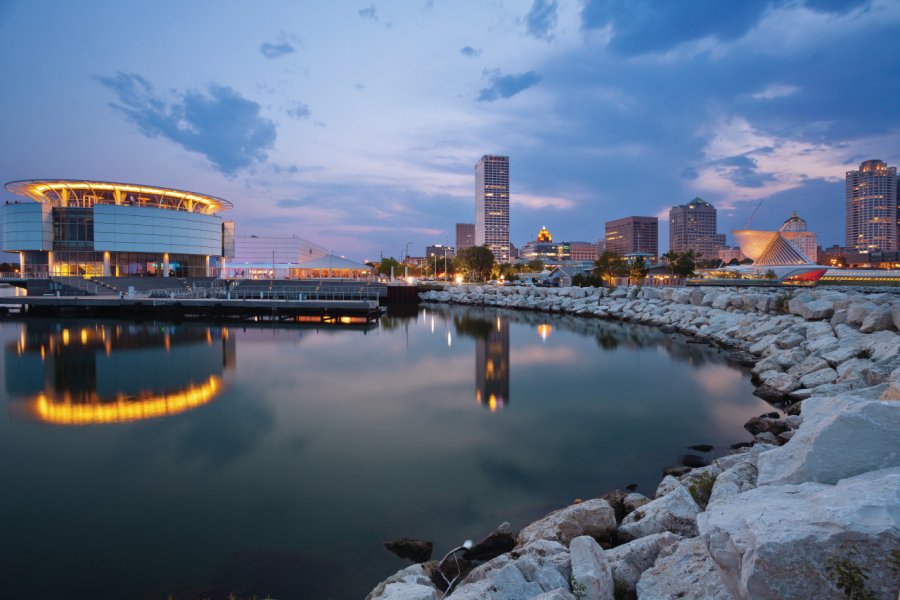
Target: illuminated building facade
871 208
633 235
794 231
693 226
102 229
492 205
465 236
545 249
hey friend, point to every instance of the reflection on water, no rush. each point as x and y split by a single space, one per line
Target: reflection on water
90 373
282 473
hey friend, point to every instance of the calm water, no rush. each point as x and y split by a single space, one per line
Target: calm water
148 460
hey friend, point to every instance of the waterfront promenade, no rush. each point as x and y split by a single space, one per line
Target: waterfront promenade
810 510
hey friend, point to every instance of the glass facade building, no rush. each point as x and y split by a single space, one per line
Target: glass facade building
102 229
693 226
492 205
631 235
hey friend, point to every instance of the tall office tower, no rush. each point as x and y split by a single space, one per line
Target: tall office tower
492 205
871 208
633 234
794 231
465 236
692 226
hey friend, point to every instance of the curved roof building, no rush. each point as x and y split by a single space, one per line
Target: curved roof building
100 228
775 251
793 223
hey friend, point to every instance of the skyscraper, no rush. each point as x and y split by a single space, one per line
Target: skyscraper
465 236
633 234
871 208
492 205
693 226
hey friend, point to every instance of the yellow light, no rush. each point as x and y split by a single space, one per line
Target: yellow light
84 337
492 403
459 279
65 337
124 408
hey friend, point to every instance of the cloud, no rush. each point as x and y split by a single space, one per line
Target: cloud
541 19
534 202
643 26
299 110
270 50
507 86
359 86
368 12
220 124
776 90
469 51
296 202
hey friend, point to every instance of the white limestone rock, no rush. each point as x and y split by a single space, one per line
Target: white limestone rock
857 312
777 542
736 480
893 390
675 512
841 436
782 383
633 501
541 566
411 583
684 571
879 319
815 310
591 572
841 355
592 517
630 560
666 486
809 365
895 312
559 594
820 377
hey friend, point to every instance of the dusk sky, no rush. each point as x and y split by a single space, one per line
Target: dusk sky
357 125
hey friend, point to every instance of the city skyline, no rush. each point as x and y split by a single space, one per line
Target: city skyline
356 126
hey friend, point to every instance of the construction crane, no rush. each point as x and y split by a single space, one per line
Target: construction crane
753 214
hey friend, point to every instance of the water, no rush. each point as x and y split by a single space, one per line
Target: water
149 460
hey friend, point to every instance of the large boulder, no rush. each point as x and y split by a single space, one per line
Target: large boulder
801 541
539 567
841 436
879 319
684 570
591 573
736 480
595 518
412 583
820 377
675 512
814 309
630 560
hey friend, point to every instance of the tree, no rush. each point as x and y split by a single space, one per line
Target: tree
477 261
535 265
683 263
384 267
609 265
638 269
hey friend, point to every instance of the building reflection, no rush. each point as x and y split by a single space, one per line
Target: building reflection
491 358
90 373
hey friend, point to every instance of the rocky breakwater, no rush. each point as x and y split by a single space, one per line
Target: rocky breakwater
811 510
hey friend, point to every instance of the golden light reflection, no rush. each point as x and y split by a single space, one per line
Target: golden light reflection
492 403
544 330
65 337
124 408
84 337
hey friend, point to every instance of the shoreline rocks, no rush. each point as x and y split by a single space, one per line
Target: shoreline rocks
810 510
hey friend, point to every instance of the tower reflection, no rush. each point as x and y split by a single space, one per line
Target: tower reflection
491 358
92 373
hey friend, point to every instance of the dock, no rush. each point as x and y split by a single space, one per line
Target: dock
276 310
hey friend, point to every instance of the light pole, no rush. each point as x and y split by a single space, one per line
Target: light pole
406 260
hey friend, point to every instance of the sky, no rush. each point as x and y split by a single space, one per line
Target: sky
357 125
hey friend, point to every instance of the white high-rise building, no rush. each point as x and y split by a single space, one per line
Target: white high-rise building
492 205
871 208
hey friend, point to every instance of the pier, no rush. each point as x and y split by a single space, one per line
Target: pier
279 310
